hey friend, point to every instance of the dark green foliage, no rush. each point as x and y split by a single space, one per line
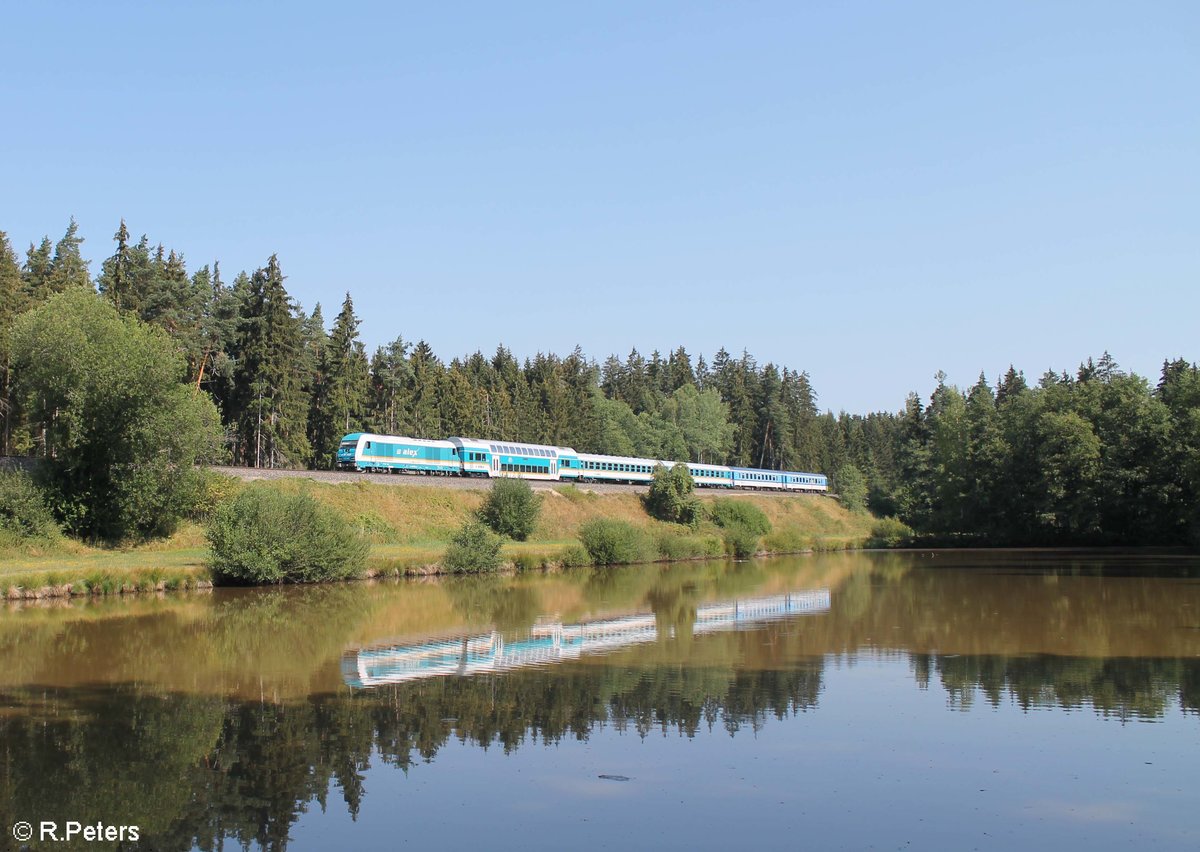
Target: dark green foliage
265 537
474 549
670 497
340 385
729 513
611 542
23 510
12 303
511 508
268 402
121 431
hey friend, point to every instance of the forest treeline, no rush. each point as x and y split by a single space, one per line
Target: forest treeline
1095 455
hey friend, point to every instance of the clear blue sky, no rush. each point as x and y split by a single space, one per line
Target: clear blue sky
866 191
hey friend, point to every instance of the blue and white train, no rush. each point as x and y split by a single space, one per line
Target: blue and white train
487 458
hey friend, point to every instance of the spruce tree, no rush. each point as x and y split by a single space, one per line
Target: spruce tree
340 402
36 272
13 301
68 268
271 432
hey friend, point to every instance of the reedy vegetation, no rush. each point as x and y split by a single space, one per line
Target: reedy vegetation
1093 456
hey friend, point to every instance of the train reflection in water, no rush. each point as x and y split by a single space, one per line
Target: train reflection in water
556 642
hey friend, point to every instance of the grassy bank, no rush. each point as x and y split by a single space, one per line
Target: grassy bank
408 529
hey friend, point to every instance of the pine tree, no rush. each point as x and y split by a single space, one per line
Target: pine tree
391 381
13 301
36 272
114 279
679 370
271 432
68 268
426 419
340 403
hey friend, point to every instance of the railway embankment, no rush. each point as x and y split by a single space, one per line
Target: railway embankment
408 530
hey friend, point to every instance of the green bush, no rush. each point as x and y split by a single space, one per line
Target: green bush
262 536
511 508
672 545
739 513
670 497
610 542
741 542
890 532
23 510
474 549
575 556
787 541
206 491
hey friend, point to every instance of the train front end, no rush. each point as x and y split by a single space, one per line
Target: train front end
347 452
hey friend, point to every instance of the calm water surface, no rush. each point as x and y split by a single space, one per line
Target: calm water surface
852 701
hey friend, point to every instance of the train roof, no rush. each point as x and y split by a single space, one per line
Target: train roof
781 472
404 439
625 459
513 447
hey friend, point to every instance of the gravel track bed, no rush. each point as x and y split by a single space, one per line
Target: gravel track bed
419 481
407 479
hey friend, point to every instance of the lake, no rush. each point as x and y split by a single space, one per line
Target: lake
948 700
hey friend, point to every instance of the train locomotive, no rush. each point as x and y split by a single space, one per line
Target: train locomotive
479 457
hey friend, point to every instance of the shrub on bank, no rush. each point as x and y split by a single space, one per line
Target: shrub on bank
263 536
23 510
741 542
511 508
474 549
890 532
673 545
206 491
611 542
787 541
726 512
670 497
742 525
575 556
